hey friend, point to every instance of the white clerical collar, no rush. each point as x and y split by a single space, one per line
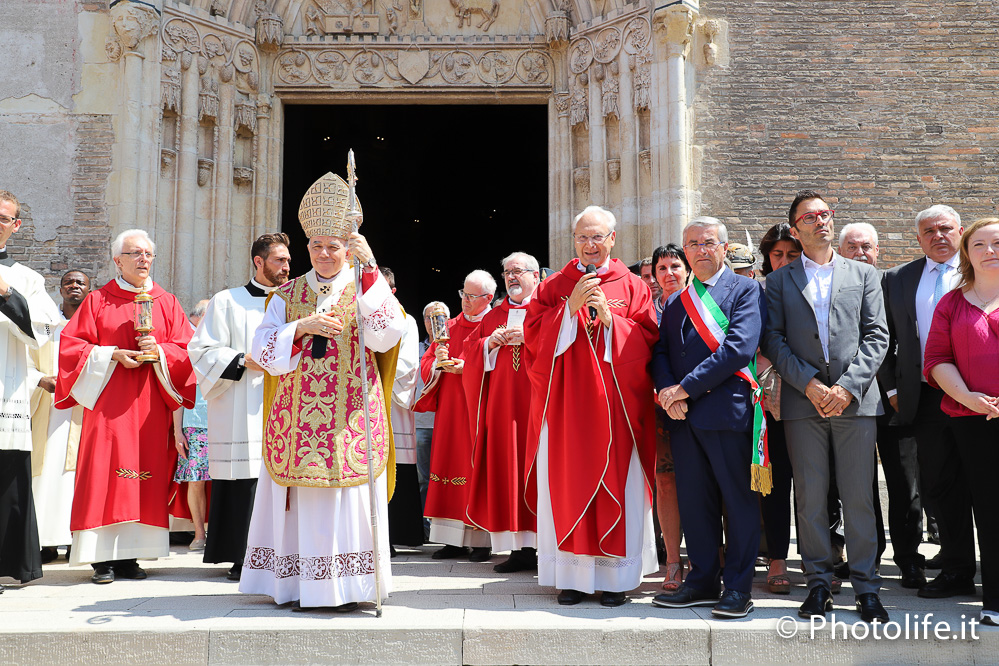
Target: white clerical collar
522 303
336 283
808 263
479 316
711 281
601 269
127 286
261 287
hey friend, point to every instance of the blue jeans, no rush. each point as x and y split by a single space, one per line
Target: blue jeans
423 438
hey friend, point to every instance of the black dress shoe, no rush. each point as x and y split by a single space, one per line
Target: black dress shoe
733 604
236 572
480 554
817 603
947 585
130 570
525 559
685 597
933 562
870 608
49 554
913 577
103 573
569 597
612 599
345 608
450 553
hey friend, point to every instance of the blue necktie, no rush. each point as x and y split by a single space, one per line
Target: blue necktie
938 289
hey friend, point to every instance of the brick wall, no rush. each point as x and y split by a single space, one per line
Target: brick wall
888 107
83 244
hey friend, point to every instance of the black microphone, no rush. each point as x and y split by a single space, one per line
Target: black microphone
593 311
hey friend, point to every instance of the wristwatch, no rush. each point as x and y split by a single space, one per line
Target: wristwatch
371 264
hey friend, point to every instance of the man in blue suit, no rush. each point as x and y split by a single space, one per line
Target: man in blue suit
709 393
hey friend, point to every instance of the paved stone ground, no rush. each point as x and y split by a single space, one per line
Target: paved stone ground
450 612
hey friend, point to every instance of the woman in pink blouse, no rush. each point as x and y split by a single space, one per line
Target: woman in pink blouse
962 358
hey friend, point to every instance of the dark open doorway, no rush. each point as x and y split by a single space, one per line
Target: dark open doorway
445 189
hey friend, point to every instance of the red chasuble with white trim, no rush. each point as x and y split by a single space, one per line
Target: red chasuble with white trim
127 457
451 447
597 412
499 406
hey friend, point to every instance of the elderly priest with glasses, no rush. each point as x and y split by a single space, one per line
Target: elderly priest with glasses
589 335
123 356
311 540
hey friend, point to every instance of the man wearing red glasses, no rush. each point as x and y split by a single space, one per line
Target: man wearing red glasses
826 335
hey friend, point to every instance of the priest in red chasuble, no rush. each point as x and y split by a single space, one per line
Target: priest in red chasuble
589 335
126 458
451 447
310 540
498 391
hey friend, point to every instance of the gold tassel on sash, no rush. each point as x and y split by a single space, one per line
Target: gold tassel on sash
762 479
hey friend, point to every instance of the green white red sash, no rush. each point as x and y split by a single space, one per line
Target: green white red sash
712 325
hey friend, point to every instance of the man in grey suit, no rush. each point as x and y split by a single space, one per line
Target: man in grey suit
826 336
911 293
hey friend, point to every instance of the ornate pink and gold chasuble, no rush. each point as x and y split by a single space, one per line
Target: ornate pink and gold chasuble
300 446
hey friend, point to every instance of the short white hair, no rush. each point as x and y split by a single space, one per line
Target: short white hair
482 277
704 222
608 217
530 262
431 304
119 242
858 226
936 211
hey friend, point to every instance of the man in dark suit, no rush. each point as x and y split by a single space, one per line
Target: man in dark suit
713 447
911 292
826 336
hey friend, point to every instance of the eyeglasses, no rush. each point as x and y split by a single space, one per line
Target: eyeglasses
598 239
693 246
471 297
7 220
866 248
810 218
515 272
139 254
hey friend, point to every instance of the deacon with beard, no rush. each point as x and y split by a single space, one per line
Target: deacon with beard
233 385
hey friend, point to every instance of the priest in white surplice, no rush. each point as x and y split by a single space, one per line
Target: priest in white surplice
233 385
55 433
310 538
27 319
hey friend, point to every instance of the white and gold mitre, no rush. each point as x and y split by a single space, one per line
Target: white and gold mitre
324 208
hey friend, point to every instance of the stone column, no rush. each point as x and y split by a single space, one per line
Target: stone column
187 182
261 176
598 139
221 231
135 196
673 25
628 125
559 141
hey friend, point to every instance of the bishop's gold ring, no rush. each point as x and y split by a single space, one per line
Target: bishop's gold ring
325 330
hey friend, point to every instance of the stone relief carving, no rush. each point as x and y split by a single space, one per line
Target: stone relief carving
607 44
130 24
636 35
269 28
489 9
711 29
609 92
640 65
456 67
246 114
347 17
579 108
218 8
392 18
205 167
208 98
580 55
675 27
614 169
242 175
170 90
562 104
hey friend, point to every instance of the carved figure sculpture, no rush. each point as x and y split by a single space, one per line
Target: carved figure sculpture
579 112
464 9
314 22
